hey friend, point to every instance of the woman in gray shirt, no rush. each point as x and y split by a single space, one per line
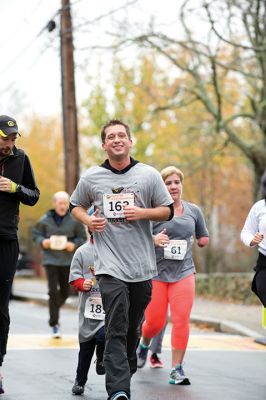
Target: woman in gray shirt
175 282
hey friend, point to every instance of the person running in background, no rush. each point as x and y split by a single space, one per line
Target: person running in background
156 348
91 315
175 283
254 234
17 185
127 195
59 235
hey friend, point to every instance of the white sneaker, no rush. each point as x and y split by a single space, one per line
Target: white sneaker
56 333
178 376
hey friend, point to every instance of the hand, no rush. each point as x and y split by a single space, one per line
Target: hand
97 224
70 247
133 213
257 239
161 239
5 184
87 284
46 243
203 241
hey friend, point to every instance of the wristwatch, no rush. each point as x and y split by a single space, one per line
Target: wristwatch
18 188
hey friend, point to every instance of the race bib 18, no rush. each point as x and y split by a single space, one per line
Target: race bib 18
94 308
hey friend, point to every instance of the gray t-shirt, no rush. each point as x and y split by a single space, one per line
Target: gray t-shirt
80 268
182 228
124 249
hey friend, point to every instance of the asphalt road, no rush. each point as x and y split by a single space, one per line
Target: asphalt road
220 366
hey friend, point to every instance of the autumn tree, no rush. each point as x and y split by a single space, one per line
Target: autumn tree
42 140
179 136
222 39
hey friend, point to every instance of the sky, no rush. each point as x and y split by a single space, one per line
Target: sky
30 68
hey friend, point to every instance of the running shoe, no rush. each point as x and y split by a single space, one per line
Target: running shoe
155 361
178 377
1 385
100 370
77 389
142 354
56 334
119 396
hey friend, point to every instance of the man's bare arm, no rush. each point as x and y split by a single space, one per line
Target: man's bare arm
161 213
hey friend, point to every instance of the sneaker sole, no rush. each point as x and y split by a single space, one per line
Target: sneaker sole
181 382
141 365
78 392
120 396
156 366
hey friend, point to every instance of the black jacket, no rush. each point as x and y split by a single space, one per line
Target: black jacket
16 167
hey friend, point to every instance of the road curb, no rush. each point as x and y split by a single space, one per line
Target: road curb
224 326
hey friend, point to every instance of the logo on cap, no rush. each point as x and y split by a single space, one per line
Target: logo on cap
10 123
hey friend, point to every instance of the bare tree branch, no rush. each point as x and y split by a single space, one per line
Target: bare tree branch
230 42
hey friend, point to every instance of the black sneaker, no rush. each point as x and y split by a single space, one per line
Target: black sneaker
77 389
100 370
1 385
120 396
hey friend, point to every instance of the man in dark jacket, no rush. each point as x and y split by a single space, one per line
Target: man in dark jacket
59 234
17 185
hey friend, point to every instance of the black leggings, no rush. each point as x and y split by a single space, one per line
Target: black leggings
9 250
259 281
86 351
58 290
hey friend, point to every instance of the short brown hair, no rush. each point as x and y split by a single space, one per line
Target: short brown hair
112 123
167 171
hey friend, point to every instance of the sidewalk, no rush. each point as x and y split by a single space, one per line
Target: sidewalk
222 316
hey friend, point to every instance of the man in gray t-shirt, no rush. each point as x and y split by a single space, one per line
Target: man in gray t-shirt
127 195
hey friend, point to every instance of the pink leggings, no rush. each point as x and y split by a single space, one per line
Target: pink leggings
180 296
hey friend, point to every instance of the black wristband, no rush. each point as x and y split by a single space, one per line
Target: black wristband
18 188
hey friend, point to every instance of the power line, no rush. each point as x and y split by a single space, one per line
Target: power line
100 17
26 48
18 28
27 69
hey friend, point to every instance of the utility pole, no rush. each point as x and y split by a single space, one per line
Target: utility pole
70 125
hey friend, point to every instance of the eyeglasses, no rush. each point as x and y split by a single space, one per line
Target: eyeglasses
120 135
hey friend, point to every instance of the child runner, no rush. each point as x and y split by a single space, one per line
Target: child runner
91 315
